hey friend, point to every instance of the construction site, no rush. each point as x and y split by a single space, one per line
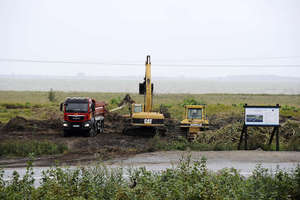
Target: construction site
88 130
149 100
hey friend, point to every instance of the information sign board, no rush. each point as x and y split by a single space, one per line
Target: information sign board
262 115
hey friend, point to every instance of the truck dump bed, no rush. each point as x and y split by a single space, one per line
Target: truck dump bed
100 108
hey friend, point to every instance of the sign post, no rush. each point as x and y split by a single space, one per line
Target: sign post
263 116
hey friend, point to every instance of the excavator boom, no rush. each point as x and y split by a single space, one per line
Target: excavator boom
148 97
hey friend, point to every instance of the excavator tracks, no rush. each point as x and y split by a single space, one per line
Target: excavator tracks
144 131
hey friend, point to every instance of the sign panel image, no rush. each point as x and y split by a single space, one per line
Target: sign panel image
262 116
254 118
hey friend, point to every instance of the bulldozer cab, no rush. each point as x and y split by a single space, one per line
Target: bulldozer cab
195 112
194 121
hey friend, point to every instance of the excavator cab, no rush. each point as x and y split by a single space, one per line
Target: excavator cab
136 108
142 88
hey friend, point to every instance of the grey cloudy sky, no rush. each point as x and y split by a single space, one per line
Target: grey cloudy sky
215 33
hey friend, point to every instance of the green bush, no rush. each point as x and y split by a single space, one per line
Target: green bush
27 105
115 101
191 101
51 95
188 180
25 148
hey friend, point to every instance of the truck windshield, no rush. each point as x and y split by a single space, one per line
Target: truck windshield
195 113
77 107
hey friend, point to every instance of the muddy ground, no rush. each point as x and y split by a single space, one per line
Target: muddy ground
111 144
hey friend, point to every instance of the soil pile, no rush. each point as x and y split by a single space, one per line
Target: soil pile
258 137
217 122
22 124
115 123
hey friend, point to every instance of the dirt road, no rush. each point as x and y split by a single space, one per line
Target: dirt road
213 156
245 161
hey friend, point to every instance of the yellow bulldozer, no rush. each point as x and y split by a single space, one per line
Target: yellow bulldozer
194 121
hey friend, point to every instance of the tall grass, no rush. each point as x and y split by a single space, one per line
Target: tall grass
25 148
27 110
189 180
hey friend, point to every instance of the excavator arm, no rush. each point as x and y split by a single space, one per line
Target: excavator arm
127 100
146 87
148 97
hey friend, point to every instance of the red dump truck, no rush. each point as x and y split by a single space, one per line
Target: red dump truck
83 115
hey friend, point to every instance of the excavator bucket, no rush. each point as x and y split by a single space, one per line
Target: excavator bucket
127 100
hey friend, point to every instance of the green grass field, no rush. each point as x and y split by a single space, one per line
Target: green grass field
36 105
227 99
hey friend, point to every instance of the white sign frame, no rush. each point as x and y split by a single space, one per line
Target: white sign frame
262 115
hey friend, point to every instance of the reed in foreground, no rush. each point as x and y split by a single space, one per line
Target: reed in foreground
188 180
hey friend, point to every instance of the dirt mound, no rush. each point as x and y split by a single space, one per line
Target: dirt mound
216 122
258 137
112 117
115 123
21 124
290 130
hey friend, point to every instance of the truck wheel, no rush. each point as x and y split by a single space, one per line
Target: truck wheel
102 127
98 127
91 133
65 133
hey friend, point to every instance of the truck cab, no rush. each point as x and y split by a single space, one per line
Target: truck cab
83 114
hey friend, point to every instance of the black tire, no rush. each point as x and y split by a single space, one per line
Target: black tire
98 128
102 127
65 133
162 131
91 133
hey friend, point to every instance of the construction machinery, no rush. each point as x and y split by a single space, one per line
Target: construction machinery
83 115
127 100
194 121
142 118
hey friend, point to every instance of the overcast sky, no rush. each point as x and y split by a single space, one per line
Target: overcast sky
98 35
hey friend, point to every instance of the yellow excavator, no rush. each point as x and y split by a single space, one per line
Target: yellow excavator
142 118
194 121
